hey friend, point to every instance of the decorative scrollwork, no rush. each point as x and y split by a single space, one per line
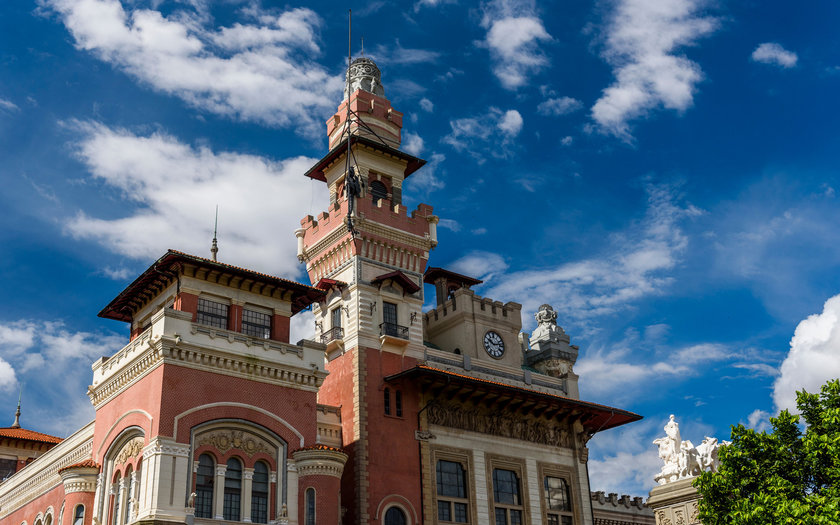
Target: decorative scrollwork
224 440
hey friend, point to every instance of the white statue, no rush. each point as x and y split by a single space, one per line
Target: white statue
682 459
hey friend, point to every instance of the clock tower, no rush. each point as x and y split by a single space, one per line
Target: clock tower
369 254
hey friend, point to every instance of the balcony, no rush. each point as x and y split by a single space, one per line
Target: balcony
394 330
333 334
334 339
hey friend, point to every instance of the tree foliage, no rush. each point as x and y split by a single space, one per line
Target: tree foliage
786 476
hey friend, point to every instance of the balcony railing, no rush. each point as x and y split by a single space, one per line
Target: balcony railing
333 334
394 330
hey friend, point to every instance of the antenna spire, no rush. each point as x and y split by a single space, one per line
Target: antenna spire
16 424
214 248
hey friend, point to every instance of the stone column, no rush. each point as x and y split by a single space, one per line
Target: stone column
219 492
123 496
675 502
320 467
131 509
292 504
247 483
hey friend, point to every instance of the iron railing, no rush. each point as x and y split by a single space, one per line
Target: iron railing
394 330
333 334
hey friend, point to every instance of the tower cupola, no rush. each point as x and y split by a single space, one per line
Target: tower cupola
364 74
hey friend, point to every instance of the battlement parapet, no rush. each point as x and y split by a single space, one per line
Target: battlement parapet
466 300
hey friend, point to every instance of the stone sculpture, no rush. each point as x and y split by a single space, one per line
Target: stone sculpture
682 459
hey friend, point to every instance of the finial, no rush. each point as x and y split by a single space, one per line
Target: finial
363 46
16 424
214 248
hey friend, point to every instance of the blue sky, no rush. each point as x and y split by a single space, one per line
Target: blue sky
663 173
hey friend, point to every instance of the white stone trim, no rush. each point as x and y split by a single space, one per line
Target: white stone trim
117 422
42 475
238 405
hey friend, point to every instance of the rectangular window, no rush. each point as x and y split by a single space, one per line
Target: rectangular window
452 496
335 314
389 313
212 313
507 497
256 324
557 501
398 399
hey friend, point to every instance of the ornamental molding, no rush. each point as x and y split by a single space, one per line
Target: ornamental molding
159 446
320 462
173 350
224 440
130 450
43 474
79 485
496 424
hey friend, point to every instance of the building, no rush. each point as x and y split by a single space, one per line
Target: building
392 416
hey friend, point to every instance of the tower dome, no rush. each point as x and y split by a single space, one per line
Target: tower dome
365 75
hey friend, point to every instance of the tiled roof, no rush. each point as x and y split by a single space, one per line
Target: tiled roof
28 435
163 272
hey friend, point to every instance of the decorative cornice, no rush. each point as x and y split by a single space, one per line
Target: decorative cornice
166 447
320 460
174 350
43 474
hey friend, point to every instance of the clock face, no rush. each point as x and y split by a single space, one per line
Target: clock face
494 345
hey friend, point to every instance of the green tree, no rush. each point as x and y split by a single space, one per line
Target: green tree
785 476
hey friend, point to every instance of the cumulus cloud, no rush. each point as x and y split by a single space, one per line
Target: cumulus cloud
814 356
37 354
555 107
514 34
774 54
261 71
479 264
427 105
759 420
488 134
429 178
635 265
170 191
511 123
642 40
412 143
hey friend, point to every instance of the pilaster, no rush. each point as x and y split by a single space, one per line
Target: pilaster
219 492
247 483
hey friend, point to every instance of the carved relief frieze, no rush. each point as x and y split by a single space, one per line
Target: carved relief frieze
224 440
472 419
130 450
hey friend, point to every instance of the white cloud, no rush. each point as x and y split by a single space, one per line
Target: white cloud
555 107
641 42
511 123
430 176
427 105
759 420
635 264
450 224
566 141
302 326
814 356
8 105
37 355
8 379
260 72
481 265
117 274
396 54
774 54
624 460
170 191
489 134
412 143
431 3
514 33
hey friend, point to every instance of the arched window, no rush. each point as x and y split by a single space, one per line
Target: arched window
233 490
387 401
48 520
259 494
129 494
398 396
117 493
395 516
79 515
204 487
310 507
378 191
